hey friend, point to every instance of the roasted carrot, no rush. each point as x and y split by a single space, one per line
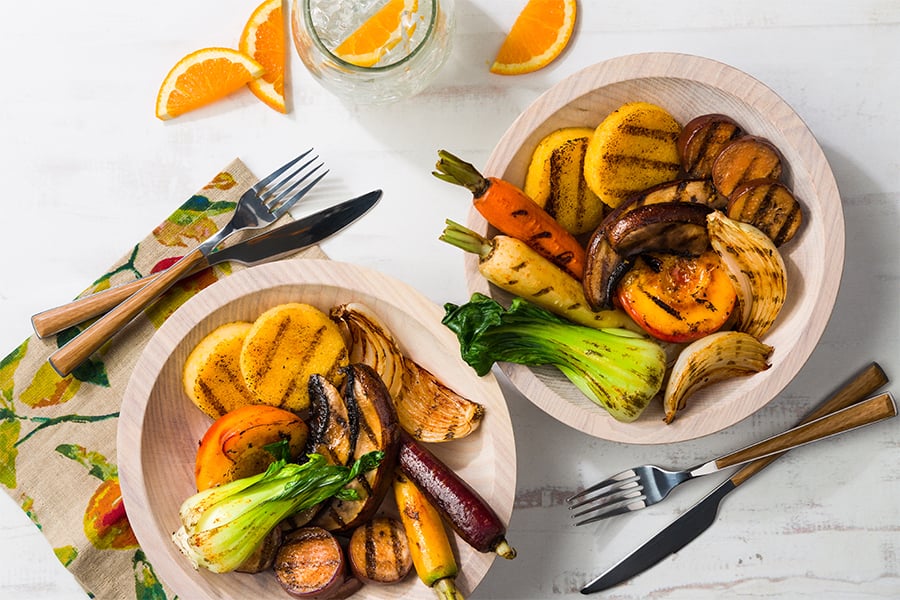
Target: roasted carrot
512 265
429 544
510 210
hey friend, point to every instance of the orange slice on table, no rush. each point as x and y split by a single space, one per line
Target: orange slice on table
540 33
202 77
263 39
379 34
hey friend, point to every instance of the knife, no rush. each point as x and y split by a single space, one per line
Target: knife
270 245
702 515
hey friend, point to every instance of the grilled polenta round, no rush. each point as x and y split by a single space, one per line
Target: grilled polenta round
212 375
634 148
555 180
287 344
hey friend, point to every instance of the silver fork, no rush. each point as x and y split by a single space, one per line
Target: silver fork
643 486
259 206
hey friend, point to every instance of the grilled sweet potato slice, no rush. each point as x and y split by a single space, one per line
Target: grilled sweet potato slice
310 564
745 159
769 206
701 141
379 552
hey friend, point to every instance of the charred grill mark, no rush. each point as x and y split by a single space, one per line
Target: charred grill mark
647 132
665 306
371 557
628 160
266 364
210 396
308 352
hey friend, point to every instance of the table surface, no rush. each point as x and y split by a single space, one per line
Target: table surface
78 124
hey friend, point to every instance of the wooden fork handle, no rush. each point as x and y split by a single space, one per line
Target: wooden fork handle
54 320
866 412
862 385
67 358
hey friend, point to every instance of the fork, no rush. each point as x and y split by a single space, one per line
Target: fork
640 487
259 206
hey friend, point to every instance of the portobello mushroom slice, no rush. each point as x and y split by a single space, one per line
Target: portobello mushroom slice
378 430
690 191
670 226
603 270
676 227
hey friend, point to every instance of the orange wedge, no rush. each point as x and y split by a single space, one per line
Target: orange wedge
381 32
202 77
263 39
540 33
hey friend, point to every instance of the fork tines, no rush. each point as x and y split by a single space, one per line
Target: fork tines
263 188
619 494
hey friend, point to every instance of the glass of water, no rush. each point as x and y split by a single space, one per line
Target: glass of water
410 41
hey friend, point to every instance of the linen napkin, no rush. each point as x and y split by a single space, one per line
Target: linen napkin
58 434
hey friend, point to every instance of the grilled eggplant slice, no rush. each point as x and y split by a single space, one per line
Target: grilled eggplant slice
378 430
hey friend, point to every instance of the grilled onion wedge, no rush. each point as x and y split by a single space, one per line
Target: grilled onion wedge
756 270
711 359
426 408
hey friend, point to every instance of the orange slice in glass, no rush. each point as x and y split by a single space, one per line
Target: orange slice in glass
263 39
202 77
540 33
379 34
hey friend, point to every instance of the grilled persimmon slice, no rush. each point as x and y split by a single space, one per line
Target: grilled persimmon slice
677 298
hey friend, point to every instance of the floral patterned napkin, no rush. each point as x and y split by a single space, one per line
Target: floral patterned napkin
58 434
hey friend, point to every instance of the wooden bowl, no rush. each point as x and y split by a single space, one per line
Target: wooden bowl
688 86
159 427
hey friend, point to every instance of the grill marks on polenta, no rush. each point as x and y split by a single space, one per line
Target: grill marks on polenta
286 345
633 149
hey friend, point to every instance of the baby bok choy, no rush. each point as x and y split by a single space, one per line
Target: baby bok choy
222 526
618 369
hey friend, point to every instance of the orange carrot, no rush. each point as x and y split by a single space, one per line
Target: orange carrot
510 210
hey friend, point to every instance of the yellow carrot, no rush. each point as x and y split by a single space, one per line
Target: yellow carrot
512 265
429 544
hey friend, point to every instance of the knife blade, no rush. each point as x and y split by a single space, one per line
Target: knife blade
700 517
270 245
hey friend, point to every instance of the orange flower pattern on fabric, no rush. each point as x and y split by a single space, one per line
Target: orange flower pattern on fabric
33 398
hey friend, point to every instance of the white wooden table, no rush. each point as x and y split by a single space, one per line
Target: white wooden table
77 125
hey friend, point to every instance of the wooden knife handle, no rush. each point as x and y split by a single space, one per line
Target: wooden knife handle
861 386
67 358
54 320
857 415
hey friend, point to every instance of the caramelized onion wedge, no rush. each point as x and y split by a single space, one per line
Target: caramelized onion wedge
430 411
756 269
426 408
711 359
370 343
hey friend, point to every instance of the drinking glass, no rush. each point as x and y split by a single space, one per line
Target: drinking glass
407 65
